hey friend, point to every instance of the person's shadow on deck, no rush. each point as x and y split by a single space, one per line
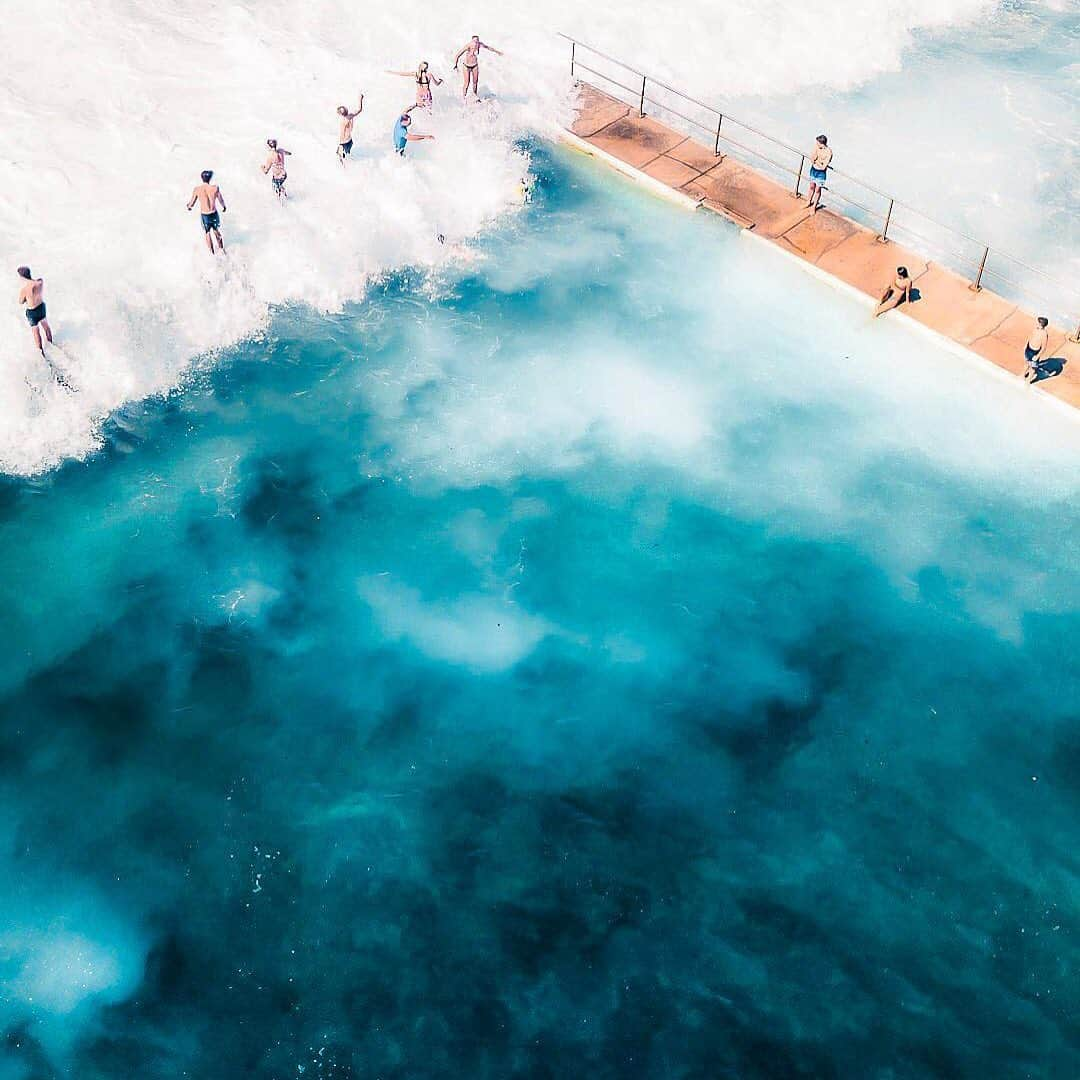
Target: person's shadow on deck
1047 369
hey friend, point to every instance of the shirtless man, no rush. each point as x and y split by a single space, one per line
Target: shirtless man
402 134
471 71
896 293
275 166
424 78
208 195
1033 351
345 129
32 294
820 158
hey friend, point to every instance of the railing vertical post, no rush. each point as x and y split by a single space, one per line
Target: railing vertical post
718 123
641 107
798 179
888 217
976 285
573 49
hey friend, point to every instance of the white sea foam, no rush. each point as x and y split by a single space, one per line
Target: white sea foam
112 108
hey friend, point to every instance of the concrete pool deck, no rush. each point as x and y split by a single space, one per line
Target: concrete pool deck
988 325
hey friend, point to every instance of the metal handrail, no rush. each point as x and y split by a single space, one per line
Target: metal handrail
640 93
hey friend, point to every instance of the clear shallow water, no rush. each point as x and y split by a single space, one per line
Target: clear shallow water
617 656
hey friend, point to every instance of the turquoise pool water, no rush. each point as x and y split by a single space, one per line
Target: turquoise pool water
618 657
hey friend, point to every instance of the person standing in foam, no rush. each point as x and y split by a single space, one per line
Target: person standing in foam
345 129
32 294
424 78
471 72
402 134
208 195
275 166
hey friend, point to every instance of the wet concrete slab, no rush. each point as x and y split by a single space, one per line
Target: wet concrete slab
992 327
637 140
595 111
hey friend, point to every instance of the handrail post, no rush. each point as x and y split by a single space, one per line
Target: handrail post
888 217
716 153
641 107
798 179
976 285
573 49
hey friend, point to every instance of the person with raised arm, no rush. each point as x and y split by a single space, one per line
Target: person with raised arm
275 166
424 78
345 129
32 294
471 71
208 195
402 135
820 159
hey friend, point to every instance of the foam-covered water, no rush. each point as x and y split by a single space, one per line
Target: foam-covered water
101 152
570 663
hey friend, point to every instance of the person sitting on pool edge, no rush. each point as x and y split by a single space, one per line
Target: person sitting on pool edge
896 293
402 134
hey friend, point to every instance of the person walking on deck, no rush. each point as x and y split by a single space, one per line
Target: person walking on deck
402 135
1035 350
820 159
424 78
275 166
471 71
896 293
32 294
345 129
208 195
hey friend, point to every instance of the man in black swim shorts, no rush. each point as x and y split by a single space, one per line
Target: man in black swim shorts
208 196
32 294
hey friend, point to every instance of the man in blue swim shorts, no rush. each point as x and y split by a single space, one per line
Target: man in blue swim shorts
820 158
402 135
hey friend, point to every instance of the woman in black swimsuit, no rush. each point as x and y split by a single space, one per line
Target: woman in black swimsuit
424 78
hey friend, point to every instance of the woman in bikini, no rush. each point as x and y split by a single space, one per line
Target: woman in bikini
471 71
896 293
424 78
275 166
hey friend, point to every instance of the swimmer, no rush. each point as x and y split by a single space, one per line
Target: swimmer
32 294
471 72
424 78
208 195
896 293
402 134
1033 351
820 158
275 166
345 129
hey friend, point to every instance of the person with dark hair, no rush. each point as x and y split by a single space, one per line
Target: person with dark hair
208 195
424 78
820 159
345 129
471 52
1036 348
896 293
32 294
402 134
275 166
